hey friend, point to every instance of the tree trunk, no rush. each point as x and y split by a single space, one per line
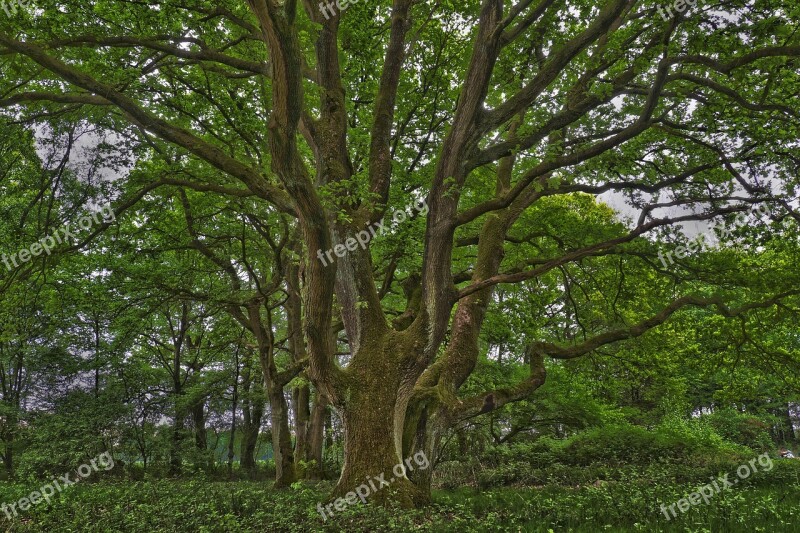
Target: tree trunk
8 459
373 419
316 436
252 413
283 453
425 438
234 406
199 419
175 455
9 436
371 455
247 448
301 397
250 430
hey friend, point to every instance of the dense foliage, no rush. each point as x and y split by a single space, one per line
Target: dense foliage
258 253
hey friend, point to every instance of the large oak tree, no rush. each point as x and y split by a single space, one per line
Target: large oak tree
486 110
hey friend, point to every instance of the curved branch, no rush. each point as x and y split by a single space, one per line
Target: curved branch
572 352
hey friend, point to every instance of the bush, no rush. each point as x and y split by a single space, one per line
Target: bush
674 439
676 450
742 429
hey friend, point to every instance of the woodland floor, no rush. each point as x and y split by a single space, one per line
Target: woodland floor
170 506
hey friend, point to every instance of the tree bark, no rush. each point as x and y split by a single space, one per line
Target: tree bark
301 397
175 454
8 434
8 458
283 453
253 401
316 436
374 418
250 431
234 407
199 420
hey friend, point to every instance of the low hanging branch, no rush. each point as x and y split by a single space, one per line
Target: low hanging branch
572 352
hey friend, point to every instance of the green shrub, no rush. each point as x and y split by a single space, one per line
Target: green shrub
674 439
741 428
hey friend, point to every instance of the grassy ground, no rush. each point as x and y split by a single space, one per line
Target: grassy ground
172 506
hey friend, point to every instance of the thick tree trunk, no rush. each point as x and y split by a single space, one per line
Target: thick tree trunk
425 439
247 450
371 456
373 424
201 433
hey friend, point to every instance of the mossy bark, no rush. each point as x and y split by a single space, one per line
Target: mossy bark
374 419
371 453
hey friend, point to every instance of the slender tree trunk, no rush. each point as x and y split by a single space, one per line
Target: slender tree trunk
234 406
274 382
246 451
176 456
301 397
253 401
9 436
96 358
199 419
283 453
8 458
786 416
250 430
316 436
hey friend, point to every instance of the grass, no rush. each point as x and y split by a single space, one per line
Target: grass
154 506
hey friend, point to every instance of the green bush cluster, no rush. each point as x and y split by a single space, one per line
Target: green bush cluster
741 428
677 449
